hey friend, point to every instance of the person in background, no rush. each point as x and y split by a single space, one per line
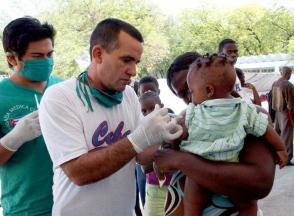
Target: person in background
135 86
94 129
139 179
155 194
248 89
146 83
26 168
229 48
283 105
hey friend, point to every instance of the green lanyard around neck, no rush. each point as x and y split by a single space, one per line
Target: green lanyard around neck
102 97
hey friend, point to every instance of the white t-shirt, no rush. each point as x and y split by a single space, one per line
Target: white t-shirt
237 86
70 129
243 93
246 94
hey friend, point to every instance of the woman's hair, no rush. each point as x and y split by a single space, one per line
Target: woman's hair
182 62
239 72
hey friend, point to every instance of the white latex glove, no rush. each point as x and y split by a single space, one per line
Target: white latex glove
155 128
26 129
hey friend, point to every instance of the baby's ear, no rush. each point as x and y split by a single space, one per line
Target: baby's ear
209 90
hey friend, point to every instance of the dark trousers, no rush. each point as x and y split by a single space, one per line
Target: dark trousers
285 130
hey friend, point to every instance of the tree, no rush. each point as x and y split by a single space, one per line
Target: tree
257 30
75 20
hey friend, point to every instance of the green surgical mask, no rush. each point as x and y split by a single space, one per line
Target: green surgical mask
37 69
102 97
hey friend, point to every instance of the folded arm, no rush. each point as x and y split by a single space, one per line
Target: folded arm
252 177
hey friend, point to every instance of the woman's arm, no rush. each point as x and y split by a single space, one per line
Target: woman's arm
147 156
252 178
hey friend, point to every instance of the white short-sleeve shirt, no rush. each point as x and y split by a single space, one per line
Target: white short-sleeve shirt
70 129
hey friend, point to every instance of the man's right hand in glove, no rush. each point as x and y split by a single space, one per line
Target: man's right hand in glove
155 128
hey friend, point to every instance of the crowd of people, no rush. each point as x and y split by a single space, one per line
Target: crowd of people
95 145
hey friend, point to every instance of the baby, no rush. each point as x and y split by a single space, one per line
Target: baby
217 124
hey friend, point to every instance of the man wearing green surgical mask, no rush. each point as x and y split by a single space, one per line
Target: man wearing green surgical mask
25 165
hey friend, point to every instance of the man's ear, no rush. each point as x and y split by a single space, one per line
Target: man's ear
209 90
97 52
11 59
161 105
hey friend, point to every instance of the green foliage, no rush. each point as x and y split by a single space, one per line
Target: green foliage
75 21
257 31
3 63
260 31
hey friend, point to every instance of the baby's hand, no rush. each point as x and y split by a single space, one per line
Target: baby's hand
282 158
160 175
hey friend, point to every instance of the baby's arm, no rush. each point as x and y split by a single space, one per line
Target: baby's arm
181 121
275 141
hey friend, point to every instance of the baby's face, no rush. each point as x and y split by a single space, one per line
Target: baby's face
196 86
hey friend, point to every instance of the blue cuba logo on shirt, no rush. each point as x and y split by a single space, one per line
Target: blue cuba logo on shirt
102 135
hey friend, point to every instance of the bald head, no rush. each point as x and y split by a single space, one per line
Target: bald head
286 72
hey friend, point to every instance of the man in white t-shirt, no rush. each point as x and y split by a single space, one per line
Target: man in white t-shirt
93 128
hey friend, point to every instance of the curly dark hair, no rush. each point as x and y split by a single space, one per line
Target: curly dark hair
182 62
207 59
221 78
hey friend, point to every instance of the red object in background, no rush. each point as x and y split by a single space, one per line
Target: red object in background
291 117
263 98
